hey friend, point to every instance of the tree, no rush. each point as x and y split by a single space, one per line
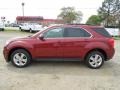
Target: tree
108 9
78 17
117 14
69 15
94 20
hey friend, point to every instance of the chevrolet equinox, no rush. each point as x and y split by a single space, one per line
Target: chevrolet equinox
91 44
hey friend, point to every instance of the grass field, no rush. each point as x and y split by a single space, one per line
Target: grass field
117 37
17 31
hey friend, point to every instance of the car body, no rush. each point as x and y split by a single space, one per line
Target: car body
76 42
30 27
2 26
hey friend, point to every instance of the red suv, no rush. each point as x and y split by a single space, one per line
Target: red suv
93 44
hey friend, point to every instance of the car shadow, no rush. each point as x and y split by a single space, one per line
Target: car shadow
62 67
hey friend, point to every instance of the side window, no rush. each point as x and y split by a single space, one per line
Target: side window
75 32
54 33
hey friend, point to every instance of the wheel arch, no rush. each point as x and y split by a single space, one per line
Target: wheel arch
97 49
16 48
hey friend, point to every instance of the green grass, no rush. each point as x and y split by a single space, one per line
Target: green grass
11 30
17 31
117 37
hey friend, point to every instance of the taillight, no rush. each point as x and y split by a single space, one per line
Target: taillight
111 42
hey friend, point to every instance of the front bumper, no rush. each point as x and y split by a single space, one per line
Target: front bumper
6 54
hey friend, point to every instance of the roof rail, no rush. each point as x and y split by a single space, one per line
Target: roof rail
80 24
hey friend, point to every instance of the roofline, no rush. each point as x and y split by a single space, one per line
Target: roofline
82 24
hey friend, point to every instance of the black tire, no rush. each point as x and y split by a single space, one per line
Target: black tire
31 31
21 30
92 54
3 29
27 57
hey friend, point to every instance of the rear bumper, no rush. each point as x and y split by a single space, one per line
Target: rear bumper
111 53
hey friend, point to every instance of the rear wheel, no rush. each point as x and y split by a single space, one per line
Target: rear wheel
95 59
20 58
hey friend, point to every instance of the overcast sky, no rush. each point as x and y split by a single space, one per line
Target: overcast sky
47 8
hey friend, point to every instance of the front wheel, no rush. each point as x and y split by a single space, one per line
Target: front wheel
95 59
20 58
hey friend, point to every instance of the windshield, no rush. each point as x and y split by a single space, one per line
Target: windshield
38 32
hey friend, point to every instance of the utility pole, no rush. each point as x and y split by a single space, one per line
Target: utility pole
23 4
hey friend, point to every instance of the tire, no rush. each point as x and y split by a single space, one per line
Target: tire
20 29
95 59
31 30
20 58
3 29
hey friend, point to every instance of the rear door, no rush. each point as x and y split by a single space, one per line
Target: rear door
74 42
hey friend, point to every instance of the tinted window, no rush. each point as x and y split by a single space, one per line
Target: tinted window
53 33
102 31
75 32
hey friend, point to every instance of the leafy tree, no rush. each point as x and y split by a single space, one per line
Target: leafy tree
69 15
78 17
108 9
94 20
117 14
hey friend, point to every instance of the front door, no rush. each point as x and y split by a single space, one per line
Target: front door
50 46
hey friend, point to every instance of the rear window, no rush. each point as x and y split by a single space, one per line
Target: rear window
75 32
102 31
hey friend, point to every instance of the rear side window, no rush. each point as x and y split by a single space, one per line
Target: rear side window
75 32
102 31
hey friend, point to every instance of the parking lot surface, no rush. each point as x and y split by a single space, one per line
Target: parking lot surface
58 75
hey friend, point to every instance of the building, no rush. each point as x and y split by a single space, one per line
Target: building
37 19
51 21
29 19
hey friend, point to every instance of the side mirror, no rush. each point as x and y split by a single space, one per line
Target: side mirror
41 37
